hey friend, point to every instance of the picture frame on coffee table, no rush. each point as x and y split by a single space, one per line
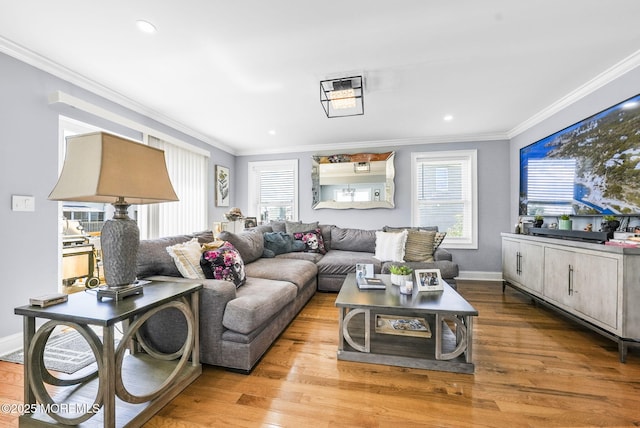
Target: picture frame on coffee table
429 279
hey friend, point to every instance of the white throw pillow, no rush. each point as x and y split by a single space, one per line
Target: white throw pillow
186 256
390 246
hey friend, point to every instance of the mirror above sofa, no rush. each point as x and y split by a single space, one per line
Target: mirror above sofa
359 180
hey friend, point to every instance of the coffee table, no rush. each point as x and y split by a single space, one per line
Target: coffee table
365 336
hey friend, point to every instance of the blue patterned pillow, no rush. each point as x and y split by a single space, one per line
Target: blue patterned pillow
224 263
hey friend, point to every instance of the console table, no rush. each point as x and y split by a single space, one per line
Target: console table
128 387
595 285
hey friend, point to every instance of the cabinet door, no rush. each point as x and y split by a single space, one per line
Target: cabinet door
522 264
510 269
532 266
596 288
559 266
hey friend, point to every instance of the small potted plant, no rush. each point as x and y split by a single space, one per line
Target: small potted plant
610 224
538 221
400 274
565 222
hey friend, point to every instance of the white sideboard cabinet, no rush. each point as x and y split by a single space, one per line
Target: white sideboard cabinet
594 284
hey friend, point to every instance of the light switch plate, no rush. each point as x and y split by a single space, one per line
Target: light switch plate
23 203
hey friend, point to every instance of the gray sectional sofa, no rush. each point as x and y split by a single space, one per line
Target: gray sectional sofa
238 325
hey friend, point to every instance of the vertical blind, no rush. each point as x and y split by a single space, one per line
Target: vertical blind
188 173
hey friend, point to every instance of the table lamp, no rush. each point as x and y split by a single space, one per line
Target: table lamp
101 167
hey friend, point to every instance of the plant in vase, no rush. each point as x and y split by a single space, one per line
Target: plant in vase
400 274
610 224
538 221
565 222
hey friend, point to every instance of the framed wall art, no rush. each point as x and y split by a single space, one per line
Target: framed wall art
223 180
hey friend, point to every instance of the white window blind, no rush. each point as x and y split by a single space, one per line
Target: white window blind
188 174
274 193
445 195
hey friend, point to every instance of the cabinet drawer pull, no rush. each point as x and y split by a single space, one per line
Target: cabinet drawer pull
570 280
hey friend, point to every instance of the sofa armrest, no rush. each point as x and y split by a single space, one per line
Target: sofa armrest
442 254
166 330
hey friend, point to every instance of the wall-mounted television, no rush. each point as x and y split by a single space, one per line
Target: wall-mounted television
589 168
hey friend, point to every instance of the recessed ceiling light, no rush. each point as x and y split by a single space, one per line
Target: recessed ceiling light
272 132
448 118
146 26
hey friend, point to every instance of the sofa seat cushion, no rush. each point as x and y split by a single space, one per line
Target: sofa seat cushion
311 257
338 262
298 272
257 301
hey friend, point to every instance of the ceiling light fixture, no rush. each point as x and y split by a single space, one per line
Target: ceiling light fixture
146 27
448 118
342 97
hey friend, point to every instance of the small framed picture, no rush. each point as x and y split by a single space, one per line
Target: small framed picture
364 270
222 186
250 222
429 279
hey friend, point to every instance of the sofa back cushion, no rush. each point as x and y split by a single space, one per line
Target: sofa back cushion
153 258
353 240
250 244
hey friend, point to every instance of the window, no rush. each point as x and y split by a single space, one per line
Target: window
444 189
188 174
273 190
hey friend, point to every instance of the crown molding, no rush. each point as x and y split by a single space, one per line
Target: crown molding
29 57
626 65
356 145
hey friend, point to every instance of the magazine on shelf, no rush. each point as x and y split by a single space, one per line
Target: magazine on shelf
403 326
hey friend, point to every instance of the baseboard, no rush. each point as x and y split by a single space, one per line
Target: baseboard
10 343
471 275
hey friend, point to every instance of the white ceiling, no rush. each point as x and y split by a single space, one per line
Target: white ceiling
232 71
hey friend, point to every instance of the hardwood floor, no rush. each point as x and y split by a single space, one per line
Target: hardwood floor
533 369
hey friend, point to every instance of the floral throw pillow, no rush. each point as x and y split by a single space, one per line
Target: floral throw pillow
224 263
312 240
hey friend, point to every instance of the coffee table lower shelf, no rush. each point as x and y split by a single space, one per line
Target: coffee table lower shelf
403 350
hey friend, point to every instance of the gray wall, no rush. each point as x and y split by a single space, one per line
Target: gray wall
608 95
29 166
493 190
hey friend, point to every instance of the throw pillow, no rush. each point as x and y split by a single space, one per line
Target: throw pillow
437 240
312 240
390 246
225 264
295 227
186 256
419 246
280 243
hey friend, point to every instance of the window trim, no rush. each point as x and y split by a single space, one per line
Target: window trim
469 156
252 193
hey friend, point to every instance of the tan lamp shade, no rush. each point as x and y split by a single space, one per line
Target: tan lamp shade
101 167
